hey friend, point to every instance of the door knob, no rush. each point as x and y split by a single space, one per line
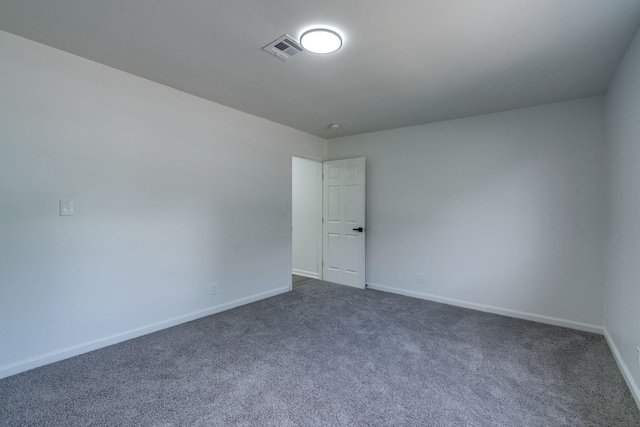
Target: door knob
360 229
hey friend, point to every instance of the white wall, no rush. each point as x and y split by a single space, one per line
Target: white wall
501 212
306 215
622 291
171 193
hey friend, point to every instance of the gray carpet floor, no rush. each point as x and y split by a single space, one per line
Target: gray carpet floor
331 355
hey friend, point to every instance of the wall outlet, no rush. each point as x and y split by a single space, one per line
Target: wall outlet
66 207
420 277
214 288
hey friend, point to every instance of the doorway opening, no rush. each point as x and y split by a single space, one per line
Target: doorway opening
306 220
328 220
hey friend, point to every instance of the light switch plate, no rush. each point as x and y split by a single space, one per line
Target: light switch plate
66 207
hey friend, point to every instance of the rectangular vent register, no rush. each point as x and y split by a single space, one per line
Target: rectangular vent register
283 47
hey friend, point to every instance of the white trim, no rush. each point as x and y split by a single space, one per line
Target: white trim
626 374
491 309
65 353
320 260
304 273
294 153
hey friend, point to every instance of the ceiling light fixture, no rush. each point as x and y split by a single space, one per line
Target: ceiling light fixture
335 126
321 40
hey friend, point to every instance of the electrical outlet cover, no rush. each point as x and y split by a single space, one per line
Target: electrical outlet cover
66 207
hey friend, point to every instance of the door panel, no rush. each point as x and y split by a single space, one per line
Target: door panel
352 253
351 202
334 204
333 260
344 211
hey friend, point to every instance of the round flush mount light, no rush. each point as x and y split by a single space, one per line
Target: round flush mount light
321 40
334 126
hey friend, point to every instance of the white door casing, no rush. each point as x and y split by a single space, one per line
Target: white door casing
344 215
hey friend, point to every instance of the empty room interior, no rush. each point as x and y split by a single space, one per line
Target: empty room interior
153 212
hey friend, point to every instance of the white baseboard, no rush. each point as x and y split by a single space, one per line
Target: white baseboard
626 374
491 309
304 273
65 353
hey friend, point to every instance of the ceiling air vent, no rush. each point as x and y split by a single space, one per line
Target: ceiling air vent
283 47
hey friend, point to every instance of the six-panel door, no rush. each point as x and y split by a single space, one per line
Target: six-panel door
344 217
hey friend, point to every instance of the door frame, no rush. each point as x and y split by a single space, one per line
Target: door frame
320 160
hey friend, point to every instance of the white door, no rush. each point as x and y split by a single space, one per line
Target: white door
343 228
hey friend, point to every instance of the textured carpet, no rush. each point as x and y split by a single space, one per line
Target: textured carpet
332 355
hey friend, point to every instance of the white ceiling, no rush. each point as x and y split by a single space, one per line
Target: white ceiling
403 62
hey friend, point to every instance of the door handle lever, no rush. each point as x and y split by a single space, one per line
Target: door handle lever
360 229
